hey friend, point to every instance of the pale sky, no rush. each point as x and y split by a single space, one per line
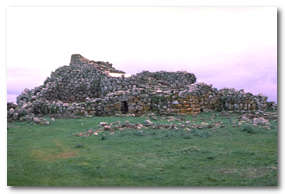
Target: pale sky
226 46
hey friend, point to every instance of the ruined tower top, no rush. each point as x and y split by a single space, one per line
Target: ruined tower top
106 67
77 59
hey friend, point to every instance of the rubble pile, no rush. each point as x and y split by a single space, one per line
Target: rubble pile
147 124
87 88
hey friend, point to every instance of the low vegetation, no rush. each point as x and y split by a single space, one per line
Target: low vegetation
215 150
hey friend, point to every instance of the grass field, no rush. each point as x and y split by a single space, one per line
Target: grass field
219 156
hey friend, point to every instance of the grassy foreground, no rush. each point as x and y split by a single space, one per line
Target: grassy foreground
225 156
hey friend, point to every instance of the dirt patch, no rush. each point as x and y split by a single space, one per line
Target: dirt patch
66 155
59 145
248 172
48 156
254 172
51 155
229 171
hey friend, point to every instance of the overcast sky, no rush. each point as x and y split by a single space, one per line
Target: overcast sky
226 47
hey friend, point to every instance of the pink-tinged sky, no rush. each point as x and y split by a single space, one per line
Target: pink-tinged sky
226 47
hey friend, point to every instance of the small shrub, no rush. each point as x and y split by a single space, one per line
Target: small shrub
249 129
187 137
138 133
103 137
199 133
79 146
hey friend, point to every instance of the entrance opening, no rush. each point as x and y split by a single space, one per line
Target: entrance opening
124 107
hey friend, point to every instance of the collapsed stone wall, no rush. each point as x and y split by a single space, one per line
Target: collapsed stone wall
84 88
231 99
76 83
198 97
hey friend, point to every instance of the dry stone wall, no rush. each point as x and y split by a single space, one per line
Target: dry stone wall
238 100
84 88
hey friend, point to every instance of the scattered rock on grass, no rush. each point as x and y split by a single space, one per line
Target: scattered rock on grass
44 122
139 126
37 120
260 121
103 124
148 123
204 124
40 121
107 127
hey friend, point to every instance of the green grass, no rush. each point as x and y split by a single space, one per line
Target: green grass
229 156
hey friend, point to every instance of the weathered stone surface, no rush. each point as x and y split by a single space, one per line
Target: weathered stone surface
103 124
260 121
147 123
85 88
36 120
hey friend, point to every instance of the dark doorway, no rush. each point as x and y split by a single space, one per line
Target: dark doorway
124 107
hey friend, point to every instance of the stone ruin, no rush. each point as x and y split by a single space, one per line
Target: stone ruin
96 88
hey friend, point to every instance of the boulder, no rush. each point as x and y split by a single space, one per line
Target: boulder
147 123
